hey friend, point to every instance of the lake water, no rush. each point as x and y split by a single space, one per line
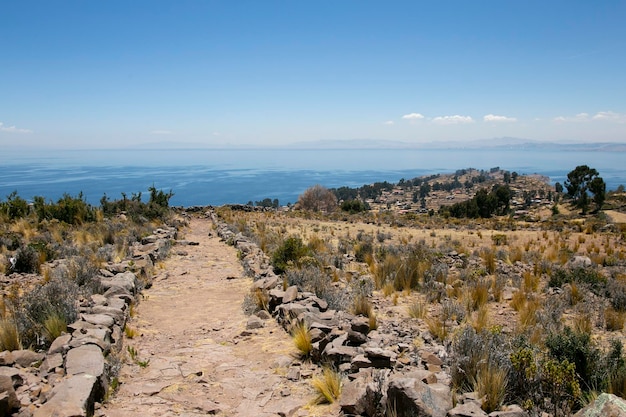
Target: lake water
216 177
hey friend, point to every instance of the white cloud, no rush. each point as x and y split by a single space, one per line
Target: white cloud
217 134
413 116
601 116
388 122
13 129
610 116
453 120
496 118
580 117
161 132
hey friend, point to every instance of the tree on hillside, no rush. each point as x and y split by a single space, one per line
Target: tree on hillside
317 198
597 187
583 181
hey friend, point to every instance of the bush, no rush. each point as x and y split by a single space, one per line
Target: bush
579 350
58 297
15 207
354 206
317 198
156 208
288 254
591 277
473 352
27 260
68 209
543 383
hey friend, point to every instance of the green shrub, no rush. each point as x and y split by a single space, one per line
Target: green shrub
288 254
14 207
68 209
354 206
579 350
542 383
589 276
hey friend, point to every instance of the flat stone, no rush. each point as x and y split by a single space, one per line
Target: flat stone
99 319
6 358
51 363
60 344
353 400
517 411
380 358
6 385
470 409
126 280
254 322
26 358
416 398
263 315
360 324
360 361
291 294
72 397
87 359
430 358
14 374
118 314
99 299
117 302
341 354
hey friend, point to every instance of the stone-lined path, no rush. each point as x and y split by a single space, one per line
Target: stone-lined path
203 360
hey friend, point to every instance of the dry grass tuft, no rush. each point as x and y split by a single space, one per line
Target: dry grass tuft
362 306
582 323
479 293
9 336
480 320
388 289
491 384
417 310
54 326
328 386
437 328
528 313
614 319
130 332
301 334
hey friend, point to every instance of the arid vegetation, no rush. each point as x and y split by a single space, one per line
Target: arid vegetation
52 255
526 297
513 291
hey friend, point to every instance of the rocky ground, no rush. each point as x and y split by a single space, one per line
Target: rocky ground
204 357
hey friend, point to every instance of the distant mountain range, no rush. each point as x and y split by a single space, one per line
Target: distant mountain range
493 143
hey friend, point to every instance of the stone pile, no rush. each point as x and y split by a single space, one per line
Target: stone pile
73 375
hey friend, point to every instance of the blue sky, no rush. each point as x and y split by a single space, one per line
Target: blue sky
122 73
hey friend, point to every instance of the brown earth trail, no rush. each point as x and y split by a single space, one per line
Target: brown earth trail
202 360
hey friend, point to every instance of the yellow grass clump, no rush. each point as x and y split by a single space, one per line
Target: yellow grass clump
328 386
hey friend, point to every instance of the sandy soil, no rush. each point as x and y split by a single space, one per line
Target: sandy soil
202 358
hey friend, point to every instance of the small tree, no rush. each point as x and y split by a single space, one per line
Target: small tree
317 198
582 181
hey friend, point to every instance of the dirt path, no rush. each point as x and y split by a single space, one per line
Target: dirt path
202 359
